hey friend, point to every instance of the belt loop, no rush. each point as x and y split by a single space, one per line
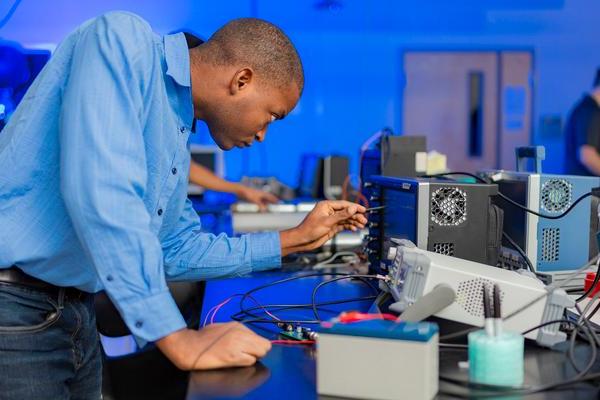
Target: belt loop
61 298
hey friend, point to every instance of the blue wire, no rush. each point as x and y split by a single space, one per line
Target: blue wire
10 13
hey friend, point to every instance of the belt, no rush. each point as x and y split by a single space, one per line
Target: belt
14 276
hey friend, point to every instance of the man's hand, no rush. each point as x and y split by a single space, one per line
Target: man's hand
214 346
255 196
327 219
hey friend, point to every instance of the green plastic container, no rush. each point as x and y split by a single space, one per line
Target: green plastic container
496 360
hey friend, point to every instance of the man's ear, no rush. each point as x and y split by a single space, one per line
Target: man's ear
241 80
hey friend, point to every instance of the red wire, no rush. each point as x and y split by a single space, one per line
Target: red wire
359 196
354 316
216 309
293 342
345 187
362 197
212 319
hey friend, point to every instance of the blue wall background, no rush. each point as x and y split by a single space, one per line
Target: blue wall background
351 51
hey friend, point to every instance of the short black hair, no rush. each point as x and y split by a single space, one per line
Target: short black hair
260 44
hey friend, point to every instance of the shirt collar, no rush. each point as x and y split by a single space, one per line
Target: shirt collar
177 57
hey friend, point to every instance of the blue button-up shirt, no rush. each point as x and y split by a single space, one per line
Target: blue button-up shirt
93 180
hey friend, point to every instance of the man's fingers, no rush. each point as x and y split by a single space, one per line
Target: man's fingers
339 205
256 346
343 215
323 239
270 198
244 360
360 218
351 222
350 227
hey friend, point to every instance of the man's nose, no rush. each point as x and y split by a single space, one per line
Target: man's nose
260 135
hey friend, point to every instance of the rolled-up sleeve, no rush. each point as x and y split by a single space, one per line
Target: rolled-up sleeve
191 254
103 172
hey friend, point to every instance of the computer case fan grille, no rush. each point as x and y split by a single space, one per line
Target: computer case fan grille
556 195
449 206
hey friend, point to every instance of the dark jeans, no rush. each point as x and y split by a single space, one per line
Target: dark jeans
49 346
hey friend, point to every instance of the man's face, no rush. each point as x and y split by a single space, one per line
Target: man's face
243 115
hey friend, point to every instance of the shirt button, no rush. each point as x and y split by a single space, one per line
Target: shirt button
174 171
138 324
159 212
109 278
182 129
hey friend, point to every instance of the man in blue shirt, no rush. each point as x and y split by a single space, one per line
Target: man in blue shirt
93 196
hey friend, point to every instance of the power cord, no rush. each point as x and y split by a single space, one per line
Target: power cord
511 201
519 250
282 307
10 13
248 294
320 285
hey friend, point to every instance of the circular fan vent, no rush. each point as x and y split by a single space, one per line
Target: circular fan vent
556 195
449 206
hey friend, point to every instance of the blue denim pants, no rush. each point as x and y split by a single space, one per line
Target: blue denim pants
49 345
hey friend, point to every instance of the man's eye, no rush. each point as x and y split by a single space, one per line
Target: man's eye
273 117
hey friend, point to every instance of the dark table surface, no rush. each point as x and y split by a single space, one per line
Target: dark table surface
289 371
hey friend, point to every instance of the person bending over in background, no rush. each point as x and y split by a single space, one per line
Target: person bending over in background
204 177
93 191
582 151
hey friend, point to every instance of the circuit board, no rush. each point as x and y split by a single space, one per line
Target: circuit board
294 335
294 332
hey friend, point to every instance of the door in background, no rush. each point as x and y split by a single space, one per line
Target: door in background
473 106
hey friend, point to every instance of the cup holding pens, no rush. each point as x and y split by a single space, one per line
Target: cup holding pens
496 360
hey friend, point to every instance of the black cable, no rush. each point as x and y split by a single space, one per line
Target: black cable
455 346
320 285
592 339
519 250
571 349
568 210
511 201
290 279
263 320
591 315
556 321
465 332
293 278
493 392
10 13
273 321
281 307
445 174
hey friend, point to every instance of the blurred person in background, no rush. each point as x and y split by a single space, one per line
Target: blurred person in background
582 133
204 177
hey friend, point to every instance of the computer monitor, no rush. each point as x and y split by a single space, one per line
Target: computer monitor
310 180
210 157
